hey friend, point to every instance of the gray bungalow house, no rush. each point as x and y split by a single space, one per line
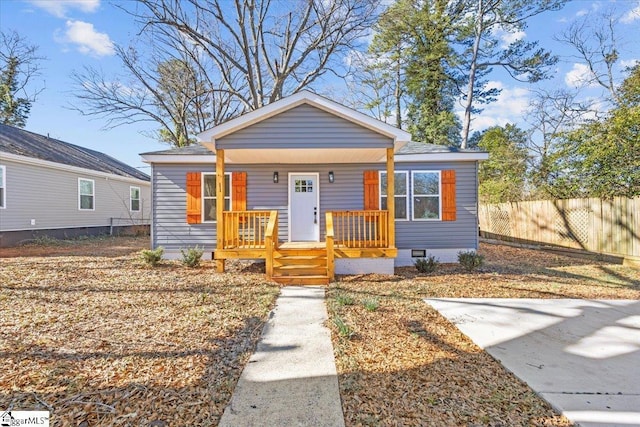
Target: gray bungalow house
56 189
305 184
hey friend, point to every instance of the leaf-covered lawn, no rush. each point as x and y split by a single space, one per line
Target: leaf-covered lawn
90 333
406 365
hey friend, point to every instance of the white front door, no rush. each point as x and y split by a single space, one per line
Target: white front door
304 207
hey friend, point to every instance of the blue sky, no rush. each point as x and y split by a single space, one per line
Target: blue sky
77 33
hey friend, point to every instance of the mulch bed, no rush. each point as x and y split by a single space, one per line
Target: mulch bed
403 364
96 337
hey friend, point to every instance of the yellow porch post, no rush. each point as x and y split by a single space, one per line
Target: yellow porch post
391 201
220 207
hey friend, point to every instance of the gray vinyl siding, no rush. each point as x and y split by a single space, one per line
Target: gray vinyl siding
171 230
461 233
169 222
304 126
50 197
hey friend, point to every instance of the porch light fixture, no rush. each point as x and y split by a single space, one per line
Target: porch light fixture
275 177
331 177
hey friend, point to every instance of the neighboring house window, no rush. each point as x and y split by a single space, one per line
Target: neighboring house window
134 199
401 186
86 194
3 187
209 195
426 195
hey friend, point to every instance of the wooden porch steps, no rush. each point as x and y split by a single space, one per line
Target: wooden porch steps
300 266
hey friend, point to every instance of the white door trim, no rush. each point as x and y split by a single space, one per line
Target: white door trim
317 176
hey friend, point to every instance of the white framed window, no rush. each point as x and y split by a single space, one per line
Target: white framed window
426 197
86 194
3 187
209 201
401 193
134 199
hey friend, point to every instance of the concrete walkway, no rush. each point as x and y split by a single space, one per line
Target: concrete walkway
291 379
582 356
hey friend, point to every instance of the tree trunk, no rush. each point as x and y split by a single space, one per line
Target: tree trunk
398 93
466 124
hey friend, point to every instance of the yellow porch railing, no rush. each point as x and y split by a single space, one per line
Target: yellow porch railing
360 229
245 229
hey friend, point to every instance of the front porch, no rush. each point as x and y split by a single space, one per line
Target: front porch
349 234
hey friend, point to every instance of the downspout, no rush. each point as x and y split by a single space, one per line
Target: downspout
152 226
477 164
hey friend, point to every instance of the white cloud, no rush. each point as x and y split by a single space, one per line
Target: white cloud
87 39
508 37
594 8
579 76
632 15
59 8
509 107
624 63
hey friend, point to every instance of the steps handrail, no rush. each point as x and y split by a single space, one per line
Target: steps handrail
329 242
271 241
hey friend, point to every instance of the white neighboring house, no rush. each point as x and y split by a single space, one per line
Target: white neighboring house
56 189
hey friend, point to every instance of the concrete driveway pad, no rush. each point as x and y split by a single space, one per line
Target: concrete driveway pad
582 356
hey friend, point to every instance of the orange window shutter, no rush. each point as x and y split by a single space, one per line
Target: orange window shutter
239 191
448 178
371 190
194 198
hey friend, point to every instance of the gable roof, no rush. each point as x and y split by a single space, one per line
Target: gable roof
305 97
24 143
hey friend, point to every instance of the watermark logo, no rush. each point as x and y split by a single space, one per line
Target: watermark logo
24 418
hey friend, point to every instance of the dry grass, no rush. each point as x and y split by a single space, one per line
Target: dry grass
90 333
405 365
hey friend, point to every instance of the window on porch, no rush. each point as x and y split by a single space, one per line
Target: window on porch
209 195
401 193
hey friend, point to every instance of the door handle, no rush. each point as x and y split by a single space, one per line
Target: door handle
315 215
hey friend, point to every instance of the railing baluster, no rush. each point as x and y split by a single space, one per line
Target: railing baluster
361 229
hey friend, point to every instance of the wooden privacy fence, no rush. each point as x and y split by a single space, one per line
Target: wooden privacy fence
603 226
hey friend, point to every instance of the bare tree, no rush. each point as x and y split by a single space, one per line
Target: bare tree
19 65
275 48
551 115
166 82
594 39
376 86
240 55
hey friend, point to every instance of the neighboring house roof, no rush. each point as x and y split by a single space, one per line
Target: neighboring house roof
24 143
299 98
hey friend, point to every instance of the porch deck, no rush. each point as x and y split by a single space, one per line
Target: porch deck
349 234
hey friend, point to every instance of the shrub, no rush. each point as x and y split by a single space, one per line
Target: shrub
426 265
191 257
470 260
152 256
371 304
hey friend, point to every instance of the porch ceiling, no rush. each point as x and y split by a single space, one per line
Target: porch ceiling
305 156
